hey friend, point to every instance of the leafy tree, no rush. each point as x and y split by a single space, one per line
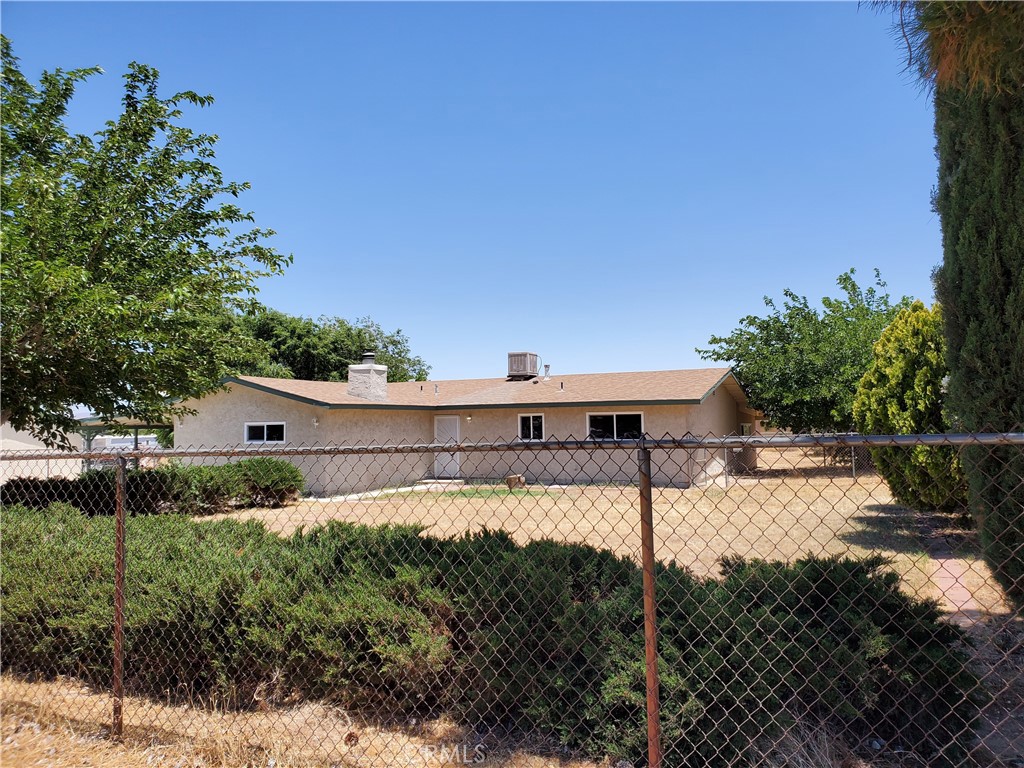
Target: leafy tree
972 55
799 365
322 350
118 249
903 392
392 349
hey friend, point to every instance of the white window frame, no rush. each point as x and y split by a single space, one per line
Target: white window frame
519 427
586 424
264 424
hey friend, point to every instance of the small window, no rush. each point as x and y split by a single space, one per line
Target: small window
264 433
531 426
746 429
615 426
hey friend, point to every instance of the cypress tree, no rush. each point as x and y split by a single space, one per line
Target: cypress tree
902 392
980 199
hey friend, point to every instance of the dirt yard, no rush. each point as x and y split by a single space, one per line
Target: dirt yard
772 516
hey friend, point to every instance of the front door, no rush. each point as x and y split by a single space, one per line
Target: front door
446 430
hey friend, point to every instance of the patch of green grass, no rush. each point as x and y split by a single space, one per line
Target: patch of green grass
490 492
474 492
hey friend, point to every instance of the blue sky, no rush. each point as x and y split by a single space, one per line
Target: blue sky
606 184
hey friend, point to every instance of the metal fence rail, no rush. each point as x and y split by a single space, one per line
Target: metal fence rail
674 601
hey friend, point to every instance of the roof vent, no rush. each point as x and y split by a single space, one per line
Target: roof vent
522 366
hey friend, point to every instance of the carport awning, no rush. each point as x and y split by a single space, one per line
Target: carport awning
93 423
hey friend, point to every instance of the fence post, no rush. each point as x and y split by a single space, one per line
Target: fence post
117 723
853 460
650 604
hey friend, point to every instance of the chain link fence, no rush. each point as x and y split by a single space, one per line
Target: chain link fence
755 601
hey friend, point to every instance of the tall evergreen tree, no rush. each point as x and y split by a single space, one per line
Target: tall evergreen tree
972 54
980 199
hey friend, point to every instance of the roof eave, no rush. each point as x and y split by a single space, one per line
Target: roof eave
370 405
574 404
272 391
714 387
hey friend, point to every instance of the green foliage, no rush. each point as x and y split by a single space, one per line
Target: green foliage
903 393
544 637
164 437
93 492
322 350
853 646
221 610
265 481
801 366
189 489
980 198
118 249
186 489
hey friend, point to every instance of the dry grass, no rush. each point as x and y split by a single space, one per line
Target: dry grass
772 515
60 724
26 743
805 746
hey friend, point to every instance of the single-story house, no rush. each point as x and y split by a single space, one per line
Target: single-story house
526 404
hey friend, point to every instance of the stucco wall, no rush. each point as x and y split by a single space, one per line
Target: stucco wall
13 441
41 468
718 415
222 418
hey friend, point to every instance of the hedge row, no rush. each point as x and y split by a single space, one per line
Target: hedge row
174 487
544 637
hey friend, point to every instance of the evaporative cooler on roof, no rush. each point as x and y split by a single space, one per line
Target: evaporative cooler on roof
522 366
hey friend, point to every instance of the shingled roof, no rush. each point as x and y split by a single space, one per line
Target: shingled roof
684 387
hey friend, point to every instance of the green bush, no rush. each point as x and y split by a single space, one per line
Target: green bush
902 392
265 481
93 492
223 611
195 489
543 638
188 489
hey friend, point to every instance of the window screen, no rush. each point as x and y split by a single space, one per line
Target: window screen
615 426
627 426
531 427
602 427
264 433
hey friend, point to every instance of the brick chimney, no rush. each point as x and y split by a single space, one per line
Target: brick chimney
368 380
